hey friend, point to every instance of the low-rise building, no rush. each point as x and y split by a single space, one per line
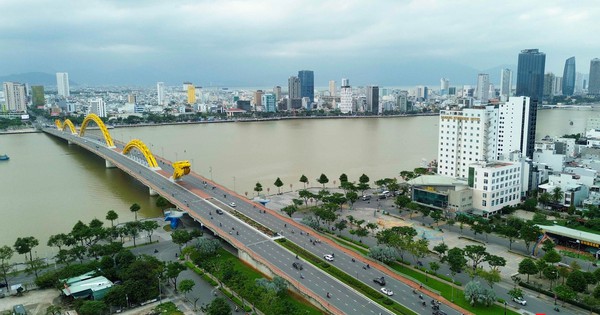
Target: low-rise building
442 192
84 287
495 185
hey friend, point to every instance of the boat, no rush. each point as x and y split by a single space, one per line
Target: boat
4 157
571 123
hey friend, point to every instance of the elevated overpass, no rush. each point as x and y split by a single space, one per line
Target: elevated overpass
200 198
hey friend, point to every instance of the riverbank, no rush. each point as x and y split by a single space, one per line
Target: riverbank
19 131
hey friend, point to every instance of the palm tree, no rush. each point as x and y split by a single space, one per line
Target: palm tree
135 208
557 194
111 216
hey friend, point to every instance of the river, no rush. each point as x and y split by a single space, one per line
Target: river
48 185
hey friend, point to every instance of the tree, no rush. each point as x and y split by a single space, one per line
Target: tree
278 183
186 286
491 277
323 180
419 249
25 245
289 210
529 233
591 301
441 249
135 208
545 198
218 306
172 271
304 180
162 202
564 293
59 240
53 310
515 293
434 266
351 196
149 226
551 273
456 260
343 178
384 254
477 254
341 225
258 188
401 201
436 215
305 194
92 308
496 262
548 245
530 204
363 183
511 233
552 256
6 267
557 195
181 237
372 226
133 229
527 267
564 273
111 216
476 294
577 281
361 232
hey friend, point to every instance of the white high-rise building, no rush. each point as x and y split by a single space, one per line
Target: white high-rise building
513 126
332 87
505 84
160 91
444 86
98 107
465 137
15 96
345 97
495 185
483 88
62 84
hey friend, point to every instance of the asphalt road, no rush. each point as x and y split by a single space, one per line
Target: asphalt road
319 283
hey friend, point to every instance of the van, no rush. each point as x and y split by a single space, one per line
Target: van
365 198
19 309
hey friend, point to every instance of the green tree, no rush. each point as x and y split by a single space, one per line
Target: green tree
564 273
491 277
92 308
477 254
552 257
186 286
343 178
218 306
434 266
363 183
162 202
6 267
511 232
564 293
476 294
149 226
384 254
401 201
436 215
495 262
289 210
456 260
181 237
341 225
258 188
545 198
25 245
529 233
133 229
135 208
551 273
577 281
515 293
304 180
557 195
530 204
111 216
351 196
278 183
59 240
441 249
323 180
527 267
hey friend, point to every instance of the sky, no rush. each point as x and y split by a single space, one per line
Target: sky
263 42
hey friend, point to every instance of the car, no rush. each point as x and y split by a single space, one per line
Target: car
520 300
232 204
365 198
219 211
298 266
380 281
328 257
387 292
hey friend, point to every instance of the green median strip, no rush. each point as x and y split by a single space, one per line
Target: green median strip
347 279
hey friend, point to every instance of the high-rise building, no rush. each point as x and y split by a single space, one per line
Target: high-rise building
444 86
530 74
191 94
332 88
131 98
307 84
579 83
557 85
483 88
373 99
345 97
277 92
37 96
15 96
402 102
98 107
258 98
293 90
466 136
594 83
160 91
268 102
549 85
568 84
62 84
505 84
515 126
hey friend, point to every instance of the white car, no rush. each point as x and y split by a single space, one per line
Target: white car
232 204
520 301
328 257
387 292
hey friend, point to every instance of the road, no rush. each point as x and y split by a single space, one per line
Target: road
344 298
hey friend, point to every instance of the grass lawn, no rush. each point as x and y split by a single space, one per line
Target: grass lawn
168 308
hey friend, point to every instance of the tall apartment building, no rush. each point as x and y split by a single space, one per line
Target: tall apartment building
569 73
549 85
307 84
16 96
258 98
557 85
373 99
62 84
516 131
269 103
465 137
277 92
483 88
293 90
444 86
345 97
402 102
505 84
191 94
530 74
98 107
332 88
594 83
160 93
37 96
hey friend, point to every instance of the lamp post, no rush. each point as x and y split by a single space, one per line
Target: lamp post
578 247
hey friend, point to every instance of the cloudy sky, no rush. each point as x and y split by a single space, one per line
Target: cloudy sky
263 42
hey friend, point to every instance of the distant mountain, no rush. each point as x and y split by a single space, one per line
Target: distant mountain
32 78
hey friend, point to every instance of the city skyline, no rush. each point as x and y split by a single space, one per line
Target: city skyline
208 43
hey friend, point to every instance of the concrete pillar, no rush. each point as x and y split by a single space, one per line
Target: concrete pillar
109 164
152 192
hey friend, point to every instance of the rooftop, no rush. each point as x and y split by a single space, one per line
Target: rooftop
436 180
572 233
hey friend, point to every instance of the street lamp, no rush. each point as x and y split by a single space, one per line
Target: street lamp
578 247
159 293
